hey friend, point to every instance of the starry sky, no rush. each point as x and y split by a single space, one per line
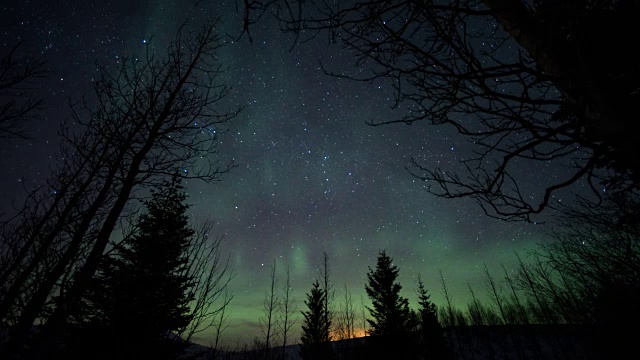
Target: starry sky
312 176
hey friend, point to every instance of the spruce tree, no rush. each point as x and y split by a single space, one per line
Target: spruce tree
392 323
143 288
315 341
432 340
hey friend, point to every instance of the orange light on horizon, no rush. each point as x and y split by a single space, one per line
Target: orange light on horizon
357 332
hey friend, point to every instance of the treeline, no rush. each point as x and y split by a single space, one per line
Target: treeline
569 298
392 328
70 287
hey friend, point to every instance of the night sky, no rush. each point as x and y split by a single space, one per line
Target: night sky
312 176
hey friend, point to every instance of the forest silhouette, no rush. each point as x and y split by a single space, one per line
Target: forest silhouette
70 289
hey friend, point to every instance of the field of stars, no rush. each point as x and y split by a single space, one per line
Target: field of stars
312 176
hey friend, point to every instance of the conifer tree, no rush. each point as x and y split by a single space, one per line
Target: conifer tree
315 342
144 289
432 340
392 325
389 310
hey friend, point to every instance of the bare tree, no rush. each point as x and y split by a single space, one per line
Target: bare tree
526 82
18 103
152 117
452 320
448 309
476 310
327 287
363 316
598 247
506 317
221 323
271 306
346 317
287 309
535 278
210 290
495 293
519 314
344 327
590 273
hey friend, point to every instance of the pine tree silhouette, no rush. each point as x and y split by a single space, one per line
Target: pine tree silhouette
142 291
433 343
315 341
392 324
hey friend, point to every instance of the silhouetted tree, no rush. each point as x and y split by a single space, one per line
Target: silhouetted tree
590 272
156 288
287 309
211 290
315 343
455 322
221 323
271 306
526 82
391 320
18 104
145 288
363 314
346 316
518 312
433 343
327 287
152 116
